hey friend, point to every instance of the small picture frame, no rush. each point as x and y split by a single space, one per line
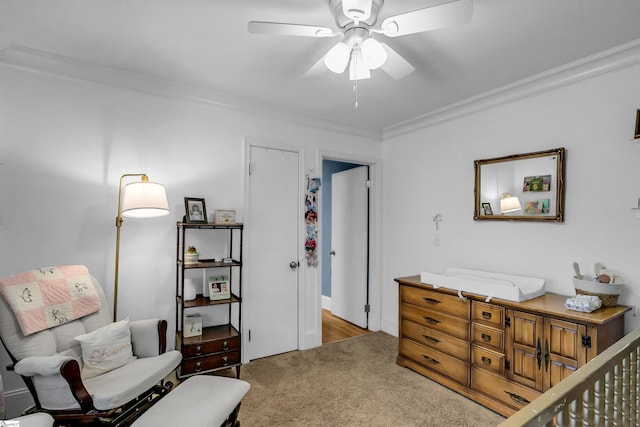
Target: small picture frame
195 210
219 288
486 207
637 132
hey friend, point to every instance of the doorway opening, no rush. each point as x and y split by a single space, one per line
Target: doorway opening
345 250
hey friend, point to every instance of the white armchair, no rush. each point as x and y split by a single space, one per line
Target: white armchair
51 364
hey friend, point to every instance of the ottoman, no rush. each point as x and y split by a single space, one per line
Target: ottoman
202 400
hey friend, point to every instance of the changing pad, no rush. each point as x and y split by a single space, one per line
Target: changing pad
493 285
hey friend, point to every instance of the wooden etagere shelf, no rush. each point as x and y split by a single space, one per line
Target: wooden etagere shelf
219 346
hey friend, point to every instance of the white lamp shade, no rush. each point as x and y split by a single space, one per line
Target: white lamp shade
358 10
373 53
144 200
338 57
510 204
358 68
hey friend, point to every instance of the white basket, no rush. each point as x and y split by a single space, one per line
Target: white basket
607 292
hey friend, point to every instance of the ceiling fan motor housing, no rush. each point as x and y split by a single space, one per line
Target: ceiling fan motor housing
342 20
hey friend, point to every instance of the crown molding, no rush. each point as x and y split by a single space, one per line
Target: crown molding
607 61
33 60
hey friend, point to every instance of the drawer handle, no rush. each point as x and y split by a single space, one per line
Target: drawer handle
486 338
198 350
486 315
225 361
519 399
431 301
431 320
225 345
430 359
486 360
431 339
198 367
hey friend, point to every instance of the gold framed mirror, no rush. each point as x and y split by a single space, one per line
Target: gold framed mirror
520 187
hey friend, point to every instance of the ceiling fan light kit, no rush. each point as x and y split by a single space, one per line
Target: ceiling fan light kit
356 19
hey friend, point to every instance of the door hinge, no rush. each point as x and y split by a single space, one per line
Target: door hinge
507 321
368 183
251 167
249 335
507 365
367 308
586 341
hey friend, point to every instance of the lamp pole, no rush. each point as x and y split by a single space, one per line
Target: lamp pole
118 226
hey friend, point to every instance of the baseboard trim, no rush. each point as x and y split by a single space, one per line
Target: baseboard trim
326 303
16 401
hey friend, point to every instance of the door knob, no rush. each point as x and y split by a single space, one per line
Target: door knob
294 264
332 252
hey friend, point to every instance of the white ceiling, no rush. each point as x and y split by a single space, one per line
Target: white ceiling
205 45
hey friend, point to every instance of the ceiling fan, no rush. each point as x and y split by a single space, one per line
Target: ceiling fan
356 21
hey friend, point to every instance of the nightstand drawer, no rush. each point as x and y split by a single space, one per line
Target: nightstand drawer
210 347
206 363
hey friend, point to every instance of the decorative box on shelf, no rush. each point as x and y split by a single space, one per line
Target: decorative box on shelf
224 216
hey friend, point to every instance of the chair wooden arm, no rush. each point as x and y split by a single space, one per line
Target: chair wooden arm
162 336
70 371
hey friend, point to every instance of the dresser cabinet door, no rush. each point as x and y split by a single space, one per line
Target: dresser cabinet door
562 348
525 348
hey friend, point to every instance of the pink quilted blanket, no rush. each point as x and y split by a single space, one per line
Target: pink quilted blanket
50 296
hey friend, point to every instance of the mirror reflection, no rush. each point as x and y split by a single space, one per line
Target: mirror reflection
525 187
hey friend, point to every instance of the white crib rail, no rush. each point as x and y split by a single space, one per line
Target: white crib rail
604 392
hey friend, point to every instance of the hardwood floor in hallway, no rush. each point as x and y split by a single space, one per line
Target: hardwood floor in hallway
336 329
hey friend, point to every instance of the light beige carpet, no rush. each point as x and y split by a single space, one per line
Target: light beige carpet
354 382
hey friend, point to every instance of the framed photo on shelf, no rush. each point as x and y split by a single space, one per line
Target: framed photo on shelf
219 288
195 210
486 207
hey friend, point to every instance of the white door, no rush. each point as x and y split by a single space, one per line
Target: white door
349 244
274 215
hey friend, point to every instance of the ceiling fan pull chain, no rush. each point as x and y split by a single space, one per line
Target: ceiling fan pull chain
355 91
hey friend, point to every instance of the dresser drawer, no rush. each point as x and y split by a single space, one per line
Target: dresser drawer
436 320
436 339
210 347
435 301
487 359
435 360
497 387
488 337
206 363
488 314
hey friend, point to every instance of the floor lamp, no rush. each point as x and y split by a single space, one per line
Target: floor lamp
142 199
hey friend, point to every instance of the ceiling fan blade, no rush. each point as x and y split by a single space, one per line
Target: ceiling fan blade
395 65
282 29
430 18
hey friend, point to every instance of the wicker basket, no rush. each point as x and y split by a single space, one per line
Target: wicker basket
607 292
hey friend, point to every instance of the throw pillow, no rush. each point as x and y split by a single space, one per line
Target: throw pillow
106 348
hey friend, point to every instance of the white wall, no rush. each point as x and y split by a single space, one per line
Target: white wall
431 170
64 144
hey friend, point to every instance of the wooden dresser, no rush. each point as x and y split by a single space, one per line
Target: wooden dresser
501 354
